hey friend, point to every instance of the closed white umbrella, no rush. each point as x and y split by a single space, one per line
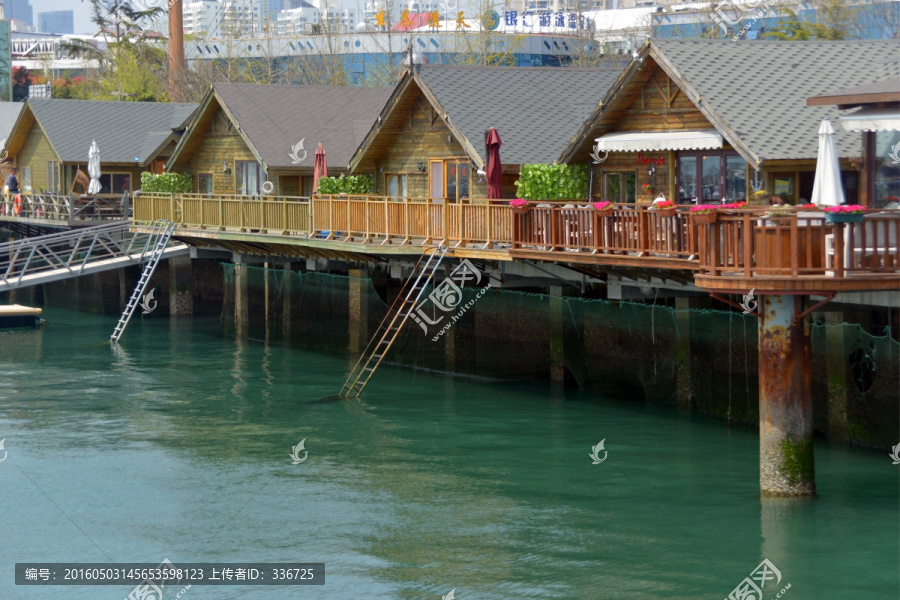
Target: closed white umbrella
94 168
827 189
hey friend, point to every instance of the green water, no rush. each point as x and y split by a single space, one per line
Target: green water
177 446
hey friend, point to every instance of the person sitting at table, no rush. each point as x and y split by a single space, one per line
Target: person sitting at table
776 201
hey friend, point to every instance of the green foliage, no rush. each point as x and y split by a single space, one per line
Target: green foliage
173 183
354 184
552 182
834 18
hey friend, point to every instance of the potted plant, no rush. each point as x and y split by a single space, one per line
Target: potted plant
519 206
761 197
604 207
648 189
665 208
849 213
704 214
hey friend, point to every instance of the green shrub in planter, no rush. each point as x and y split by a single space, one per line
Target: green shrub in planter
552 182
171 183
353 184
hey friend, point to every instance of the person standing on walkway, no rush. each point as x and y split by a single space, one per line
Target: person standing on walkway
12 182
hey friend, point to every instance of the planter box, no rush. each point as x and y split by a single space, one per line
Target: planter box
843 218
704 218
520 210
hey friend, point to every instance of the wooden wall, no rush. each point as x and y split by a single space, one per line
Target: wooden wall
36 152
220 143
423 135
661 106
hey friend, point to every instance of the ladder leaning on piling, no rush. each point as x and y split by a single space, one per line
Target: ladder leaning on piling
159 238
393 322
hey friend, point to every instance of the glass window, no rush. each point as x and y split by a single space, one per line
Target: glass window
612 187
735 178
248 177
630 187
26 178
451 181
463 176
115 183
887 172
52 181
437 179
396 186
712 174
206 183
687 178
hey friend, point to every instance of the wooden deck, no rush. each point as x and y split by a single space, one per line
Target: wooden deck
743 249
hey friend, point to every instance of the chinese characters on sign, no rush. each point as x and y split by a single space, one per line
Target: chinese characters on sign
530 19
447 298
751 588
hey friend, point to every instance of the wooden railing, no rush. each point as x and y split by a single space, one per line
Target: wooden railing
425 220
749 244
66 208
625 228
281 215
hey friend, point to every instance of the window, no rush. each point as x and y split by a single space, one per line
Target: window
248 177
887 173
206 183
619 187
115 183
396 186
52 176
25 173
437 179
711 176
450 179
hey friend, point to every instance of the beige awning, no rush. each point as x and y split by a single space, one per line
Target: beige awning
872 119
707 139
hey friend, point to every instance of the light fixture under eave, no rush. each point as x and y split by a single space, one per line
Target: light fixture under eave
420 164
225 168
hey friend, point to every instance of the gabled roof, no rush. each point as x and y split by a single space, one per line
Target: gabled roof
754 92
272 119
9 114
534 109
125 131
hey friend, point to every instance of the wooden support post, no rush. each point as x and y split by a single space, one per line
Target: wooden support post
358 329
557 335
241 301
181 297
786 466
684 392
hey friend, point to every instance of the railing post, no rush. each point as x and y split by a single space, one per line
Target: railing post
445 218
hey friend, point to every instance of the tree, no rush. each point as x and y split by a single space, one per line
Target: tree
834 21
21 80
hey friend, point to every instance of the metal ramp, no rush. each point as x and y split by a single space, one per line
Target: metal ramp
392 323
59 256
159 238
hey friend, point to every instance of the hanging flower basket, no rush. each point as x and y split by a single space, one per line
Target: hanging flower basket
843 217
519 206
666 212
603 209
704 218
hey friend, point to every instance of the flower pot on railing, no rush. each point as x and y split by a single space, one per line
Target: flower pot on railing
519 206
831 217
665 212
603 209
704 218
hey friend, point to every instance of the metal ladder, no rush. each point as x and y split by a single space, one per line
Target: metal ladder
159 238
390 327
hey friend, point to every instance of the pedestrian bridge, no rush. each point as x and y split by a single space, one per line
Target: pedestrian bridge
68 254
798 251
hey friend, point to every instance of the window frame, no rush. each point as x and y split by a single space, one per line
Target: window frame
721 187
239 168
460 164
402 186
200 178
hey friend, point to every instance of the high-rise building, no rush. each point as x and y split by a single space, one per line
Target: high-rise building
19 9
56 21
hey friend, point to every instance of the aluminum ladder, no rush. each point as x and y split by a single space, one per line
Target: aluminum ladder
160 236
391 325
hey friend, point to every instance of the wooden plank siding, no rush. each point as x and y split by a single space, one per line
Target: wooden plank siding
420 134
36 152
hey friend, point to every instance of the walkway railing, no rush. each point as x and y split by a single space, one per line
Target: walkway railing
73 208
279 215
749 244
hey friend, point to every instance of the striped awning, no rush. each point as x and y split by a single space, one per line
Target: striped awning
708 139
872 119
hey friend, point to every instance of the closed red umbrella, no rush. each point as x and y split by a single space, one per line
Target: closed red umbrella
493 143
321 168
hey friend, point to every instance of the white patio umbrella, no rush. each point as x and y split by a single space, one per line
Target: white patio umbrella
827 189
94 168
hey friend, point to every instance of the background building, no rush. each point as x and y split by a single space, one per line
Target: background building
19 9
57 21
